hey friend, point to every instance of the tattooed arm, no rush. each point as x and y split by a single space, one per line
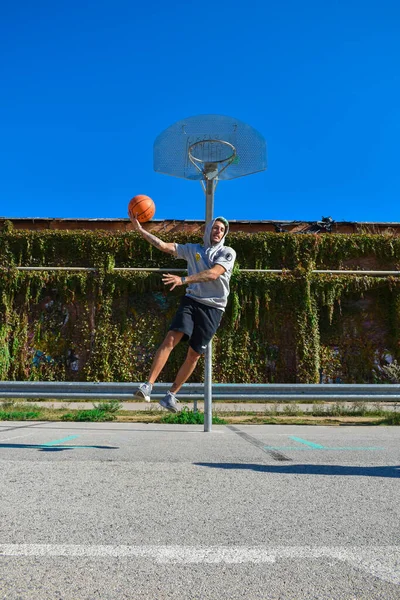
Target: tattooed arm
207 275
169 248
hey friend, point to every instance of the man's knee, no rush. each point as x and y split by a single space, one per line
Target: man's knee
192 356
172 339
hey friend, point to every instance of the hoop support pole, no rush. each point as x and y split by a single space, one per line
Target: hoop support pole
209 193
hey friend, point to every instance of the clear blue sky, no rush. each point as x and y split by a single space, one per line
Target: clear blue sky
86 87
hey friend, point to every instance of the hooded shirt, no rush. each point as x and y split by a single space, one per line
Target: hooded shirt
201 258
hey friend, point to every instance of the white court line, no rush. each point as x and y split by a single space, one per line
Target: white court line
17 436
379 561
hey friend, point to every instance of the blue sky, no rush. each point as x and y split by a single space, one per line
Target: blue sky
86 87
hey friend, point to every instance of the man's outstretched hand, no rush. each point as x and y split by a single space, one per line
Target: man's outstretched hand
136 225
173 280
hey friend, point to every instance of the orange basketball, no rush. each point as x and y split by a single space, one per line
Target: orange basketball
142 207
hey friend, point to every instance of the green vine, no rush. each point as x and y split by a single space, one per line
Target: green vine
106 325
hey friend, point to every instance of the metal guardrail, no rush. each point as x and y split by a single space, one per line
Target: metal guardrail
270 392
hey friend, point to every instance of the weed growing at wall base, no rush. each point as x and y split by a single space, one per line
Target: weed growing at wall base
91 414
19 415
189 417
392 419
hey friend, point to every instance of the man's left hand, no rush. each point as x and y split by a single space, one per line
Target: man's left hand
173 280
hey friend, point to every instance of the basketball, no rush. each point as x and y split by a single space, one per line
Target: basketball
142 207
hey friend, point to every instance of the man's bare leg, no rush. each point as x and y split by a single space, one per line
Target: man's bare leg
186 370
171 340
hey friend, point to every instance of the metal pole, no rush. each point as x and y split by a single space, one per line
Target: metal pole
209 192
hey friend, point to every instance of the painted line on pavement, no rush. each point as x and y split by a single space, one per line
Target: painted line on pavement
311 444
320 447
14 437
377 561
300 449
59 442
314 446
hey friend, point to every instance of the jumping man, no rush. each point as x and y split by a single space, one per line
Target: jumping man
201 309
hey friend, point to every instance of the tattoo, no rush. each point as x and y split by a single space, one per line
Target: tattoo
152 239
156 242
202 276
208 275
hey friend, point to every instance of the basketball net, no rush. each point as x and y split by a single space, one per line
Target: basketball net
211 158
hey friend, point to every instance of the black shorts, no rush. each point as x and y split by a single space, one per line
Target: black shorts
198 322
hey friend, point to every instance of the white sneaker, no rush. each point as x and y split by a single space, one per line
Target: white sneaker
144 391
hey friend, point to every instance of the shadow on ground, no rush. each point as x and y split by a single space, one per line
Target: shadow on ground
45 448
390 471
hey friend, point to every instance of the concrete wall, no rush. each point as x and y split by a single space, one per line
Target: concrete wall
196 226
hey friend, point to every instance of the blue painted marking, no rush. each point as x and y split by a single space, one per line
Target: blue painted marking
300 449
297 448
58 442
311 444
356 448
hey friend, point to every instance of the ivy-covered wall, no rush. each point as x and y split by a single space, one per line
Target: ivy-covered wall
106 325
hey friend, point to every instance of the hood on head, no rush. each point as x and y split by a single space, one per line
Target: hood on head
212 250
207 233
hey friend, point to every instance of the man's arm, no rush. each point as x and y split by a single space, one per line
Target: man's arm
169 248
208 275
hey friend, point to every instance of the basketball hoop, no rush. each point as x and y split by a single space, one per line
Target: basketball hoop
201 149
220 137
211 157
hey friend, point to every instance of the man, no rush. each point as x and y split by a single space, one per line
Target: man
201 309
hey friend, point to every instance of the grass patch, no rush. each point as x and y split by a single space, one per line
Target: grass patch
108 406
391 419
88 415
19 415
334 415
103 411
188 417
10 410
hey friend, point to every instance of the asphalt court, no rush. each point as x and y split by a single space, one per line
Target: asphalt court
115 510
